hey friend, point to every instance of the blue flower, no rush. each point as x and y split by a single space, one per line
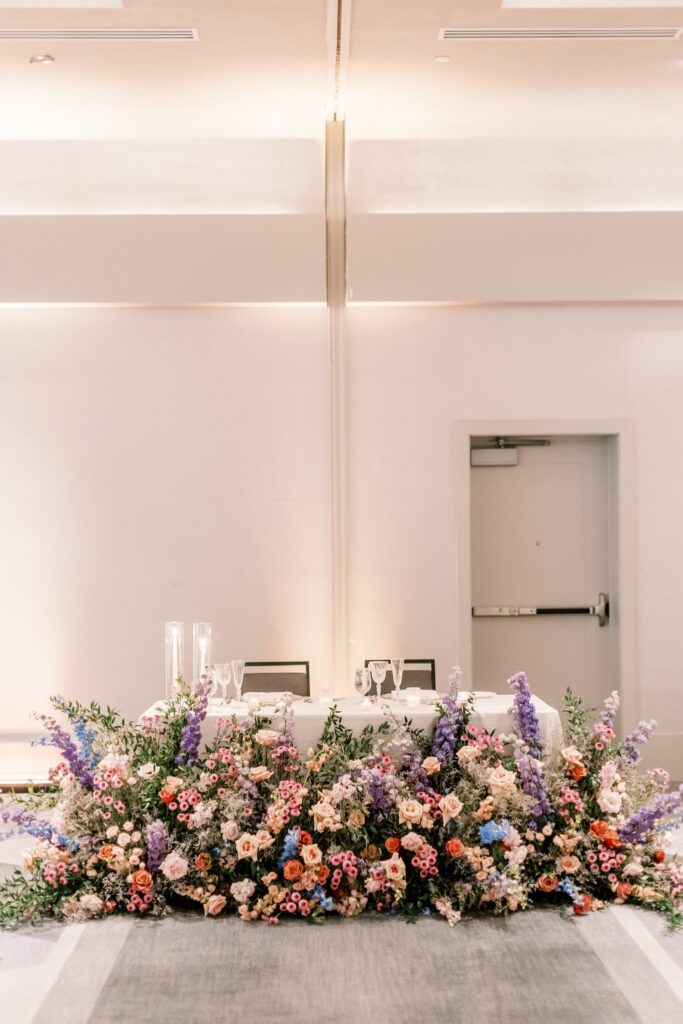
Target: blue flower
493 831
290 848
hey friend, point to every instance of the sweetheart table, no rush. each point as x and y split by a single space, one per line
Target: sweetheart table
490 713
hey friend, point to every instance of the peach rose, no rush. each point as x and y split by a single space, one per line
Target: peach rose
311 855
260 773
356 819
394 868
547 883
230 831
141 880
106 852
572 755
264 839
410 812
450 807
455 847
372 853
322 873
267 737
570 864
293 870
174 866
214 904
246 846
431 765
624 890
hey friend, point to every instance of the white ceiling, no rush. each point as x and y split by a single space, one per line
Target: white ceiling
234 122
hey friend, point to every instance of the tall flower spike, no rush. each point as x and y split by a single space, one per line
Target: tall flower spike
449 725
526 720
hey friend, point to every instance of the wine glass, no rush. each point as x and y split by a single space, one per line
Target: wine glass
379 672
223 673
238 676
211 677
361 683
397 672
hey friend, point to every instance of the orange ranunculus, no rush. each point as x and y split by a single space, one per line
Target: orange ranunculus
578 771
605 834
455 847
166 795
583 905
322 873
203 861
106 852
659 856
305 838
293 870
141 880
392 844
547 883
624 890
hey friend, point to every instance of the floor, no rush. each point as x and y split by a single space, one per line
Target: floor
620 965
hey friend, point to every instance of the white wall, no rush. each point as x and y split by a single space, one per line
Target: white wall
157 465
175 464
415 371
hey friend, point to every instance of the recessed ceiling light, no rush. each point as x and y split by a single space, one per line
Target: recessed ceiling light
442 59
42 58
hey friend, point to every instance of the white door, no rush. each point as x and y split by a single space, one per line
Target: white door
540 539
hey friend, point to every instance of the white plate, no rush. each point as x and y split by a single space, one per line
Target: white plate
268 696
478 694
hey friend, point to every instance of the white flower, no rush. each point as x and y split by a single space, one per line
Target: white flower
609 801
633 869
243 891
230 831
91 903
467 754
114 763
112 831
572 755
174 866
123 839
149 770
450 806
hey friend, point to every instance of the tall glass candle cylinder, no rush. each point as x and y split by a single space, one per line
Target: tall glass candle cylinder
175 649
201 650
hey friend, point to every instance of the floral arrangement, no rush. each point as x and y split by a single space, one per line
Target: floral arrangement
391 821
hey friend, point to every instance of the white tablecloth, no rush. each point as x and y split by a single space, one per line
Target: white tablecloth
491 713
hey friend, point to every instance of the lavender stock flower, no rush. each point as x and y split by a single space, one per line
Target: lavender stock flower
448 727
192 730
526 725
610 710
58 737
531 777
156 845
643 821
641 734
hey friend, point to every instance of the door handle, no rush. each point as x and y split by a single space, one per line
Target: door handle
599 610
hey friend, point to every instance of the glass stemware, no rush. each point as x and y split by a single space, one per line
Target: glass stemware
379 672
223 674
397 672
238 676
361 683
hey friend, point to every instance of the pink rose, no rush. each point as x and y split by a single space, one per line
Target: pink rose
174 866
214 904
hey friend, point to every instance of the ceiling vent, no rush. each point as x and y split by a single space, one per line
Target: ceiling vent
559 33
167 35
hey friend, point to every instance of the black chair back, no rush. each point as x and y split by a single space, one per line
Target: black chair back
269 676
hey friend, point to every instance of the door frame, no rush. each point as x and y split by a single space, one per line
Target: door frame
623 601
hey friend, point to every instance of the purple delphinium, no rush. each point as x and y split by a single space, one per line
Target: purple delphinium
192 730
58 737
641 734
27 823
157 845
531 778
526 720
645 820
449 725
381 801
610 710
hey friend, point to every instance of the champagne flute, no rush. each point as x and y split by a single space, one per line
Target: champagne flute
379 672
238 676
361 683
223 675
397 672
